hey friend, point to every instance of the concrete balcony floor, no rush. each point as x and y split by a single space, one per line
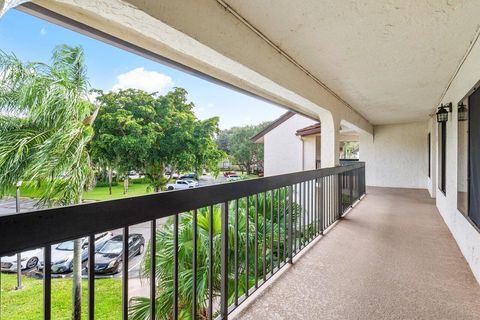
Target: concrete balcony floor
391 257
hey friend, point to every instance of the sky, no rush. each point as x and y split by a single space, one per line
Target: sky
110 68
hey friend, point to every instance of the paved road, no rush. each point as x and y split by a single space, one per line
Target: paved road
7 205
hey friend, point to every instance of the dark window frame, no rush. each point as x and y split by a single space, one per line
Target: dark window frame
468 216
442 142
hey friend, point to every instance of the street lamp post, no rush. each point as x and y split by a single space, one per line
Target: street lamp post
19 255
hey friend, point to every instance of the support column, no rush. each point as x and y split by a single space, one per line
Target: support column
330 140
6 5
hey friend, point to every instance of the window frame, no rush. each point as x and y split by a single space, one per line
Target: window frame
469 166
442 154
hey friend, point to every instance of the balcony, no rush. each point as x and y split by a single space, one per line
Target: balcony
381 68
243 233
392 257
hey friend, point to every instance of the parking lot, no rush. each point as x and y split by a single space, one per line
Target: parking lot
136 286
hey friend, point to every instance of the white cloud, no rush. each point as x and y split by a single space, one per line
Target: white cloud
43 32
139 78
199 111
92 96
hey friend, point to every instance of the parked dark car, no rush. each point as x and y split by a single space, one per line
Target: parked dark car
189 176
62 253
109 257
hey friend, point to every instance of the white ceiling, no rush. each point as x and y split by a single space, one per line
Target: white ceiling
391 60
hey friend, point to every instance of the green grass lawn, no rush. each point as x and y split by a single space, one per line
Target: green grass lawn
26 304
101 193
97 193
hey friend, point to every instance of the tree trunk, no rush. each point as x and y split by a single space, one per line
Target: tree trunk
77 280
110 180
125 184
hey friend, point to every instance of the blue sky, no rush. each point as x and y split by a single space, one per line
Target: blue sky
33 39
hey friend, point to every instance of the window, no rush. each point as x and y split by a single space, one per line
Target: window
473 173
462 167
442 155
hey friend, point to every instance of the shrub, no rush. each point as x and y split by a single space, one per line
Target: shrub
140 181
105 183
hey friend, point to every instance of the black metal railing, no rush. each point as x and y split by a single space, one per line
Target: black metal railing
239 235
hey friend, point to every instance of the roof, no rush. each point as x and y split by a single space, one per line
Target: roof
258 137
312 129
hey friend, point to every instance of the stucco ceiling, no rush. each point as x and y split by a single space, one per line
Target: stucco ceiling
391 60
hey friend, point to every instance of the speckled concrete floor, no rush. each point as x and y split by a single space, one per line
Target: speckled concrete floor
392 257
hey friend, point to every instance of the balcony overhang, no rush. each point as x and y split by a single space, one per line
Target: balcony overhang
206 38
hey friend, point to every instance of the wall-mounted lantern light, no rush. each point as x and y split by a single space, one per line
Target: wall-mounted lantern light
442 113
462 112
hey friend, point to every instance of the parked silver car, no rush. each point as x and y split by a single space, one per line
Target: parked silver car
62 253
29 259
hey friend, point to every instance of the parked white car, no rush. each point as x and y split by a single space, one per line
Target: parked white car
232 178
192 182
179 185
29 259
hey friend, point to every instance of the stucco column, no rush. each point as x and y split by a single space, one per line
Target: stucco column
330 140
6 5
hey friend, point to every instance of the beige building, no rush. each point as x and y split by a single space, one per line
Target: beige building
293 143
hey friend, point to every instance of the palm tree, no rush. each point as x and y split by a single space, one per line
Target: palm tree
45 126
139 309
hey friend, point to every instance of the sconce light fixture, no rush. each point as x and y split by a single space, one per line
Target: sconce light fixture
462 112
442 113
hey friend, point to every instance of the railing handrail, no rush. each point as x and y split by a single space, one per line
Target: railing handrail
40 228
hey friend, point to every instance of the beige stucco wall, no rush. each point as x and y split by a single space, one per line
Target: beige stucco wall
283 149
309 152
467 237
396 156
432 181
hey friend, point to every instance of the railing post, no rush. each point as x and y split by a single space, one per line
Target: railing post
125 274
290 225
91 277
340 192
322 209
350 182
364 181
224 262
153 265
47 283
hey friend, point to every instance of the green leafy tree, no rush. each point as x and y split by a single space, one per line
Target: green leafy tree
188 144
125 130
237 143
45 126
148 132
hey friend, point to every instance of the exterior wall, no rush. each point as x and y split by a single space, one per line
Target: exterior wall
283 149
432 180
396 156
309 152
318 142
466 235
